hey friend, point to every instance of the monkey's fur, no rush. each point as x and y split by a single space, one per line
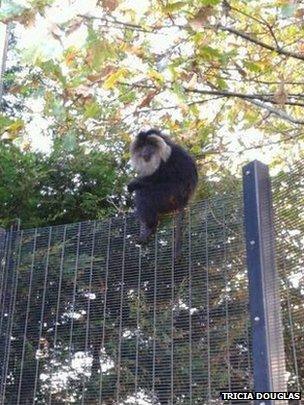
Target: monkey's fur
167 178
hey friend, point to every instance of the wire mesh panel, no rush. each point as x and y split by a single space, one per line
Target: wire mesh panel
289 223
90 317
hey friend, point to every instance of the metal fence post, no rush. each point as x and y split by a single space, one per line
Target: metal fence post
3 248
264 299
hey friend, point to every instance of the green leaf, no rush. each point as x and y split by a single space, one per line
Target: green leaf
99 51
253 67
170 8
288 10
221 84
92 110
10 9
179 90
209 2
41 4
69 142
209 53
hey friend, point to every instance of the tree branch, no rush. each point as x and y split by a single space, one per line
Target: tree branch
259 21
249 38
282 114
174 107
134 27
259 100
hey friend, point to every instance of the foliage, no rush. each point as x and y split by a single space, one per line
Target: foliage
64 187
200 69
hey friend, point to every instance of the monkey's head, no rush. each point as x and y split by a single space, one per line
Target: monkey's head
148 150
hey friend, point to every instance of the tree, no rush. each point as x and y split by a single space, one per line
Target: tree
210 67
69 185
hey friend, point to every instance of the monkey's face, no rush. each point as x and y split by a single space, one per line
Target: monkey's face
147 153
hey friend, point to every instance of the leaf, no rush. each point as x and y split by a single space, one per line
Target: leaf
99 51
209 53
179 90
70 56
110 5
210 2
156 76
15 127
280 96
222 85
147 100
202 17
92 110
252 66
288 10
170 8
74 25
94 77
110 82
4 122
69 142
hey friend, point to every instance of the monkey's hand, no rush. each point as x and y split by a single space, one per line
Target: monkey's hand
133 185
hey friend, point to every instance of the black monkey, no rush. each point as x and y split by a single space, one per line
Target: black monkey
167 179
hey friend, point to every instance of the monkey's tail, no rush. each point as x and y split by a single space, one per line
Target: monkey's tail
178 235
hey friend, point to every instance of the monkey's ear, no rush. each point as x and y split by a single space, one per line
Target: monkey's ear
163 148
166 152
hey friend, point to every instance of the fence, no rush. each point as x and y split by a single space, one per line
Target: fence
89 317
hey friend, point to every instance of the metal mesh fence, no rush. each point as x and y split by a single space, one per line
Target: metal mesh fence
89 317
289 225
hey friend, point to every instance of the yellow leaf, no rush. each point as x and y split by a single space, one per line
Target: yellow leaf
111 80
15 127
156 76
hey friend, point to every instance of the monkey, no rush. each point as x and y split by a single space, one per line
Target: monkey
167 179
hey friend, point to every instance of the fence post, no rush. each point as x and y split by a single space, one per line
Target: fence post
265 311
3 246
